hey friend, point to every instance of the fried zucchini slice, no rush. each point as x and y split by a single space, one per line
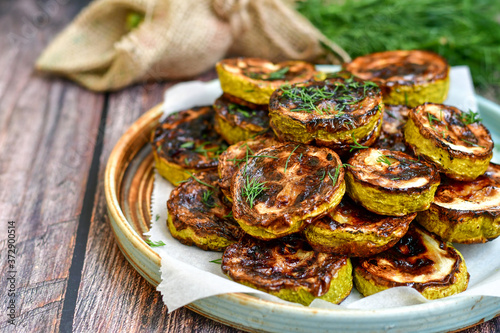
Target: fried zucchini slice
236 122
254 79
466 212
410 77
237 155
200 215
289 269
391 137
455 141
282 190
334 113
419 260
352 230
185 142
391 182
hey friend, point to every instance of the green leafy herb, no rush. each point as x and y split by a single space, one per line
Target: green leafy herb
472 143
154 244
288 159
356 145
157 217
217 261
252 189
198 180
460 31
276 75
188 144
228 215
336 174
207 199
384 159
470 117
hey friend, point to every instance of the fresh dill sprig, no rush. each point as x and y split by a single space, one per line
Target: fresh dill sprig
336 174
356 145
217 261
157 217
288 159
235 108
472 143
154 244
198 180
470 117
187 144
252 189
228 215
384 159
206 198
276 75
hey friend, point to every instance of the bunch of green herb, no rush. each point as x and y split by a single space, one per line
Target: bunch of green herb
464 32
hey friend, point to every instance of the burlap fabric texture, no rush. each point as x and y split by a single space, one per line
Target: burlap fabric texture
178 39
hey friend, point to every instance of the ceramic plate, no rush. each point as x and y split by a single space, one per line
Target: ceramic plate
128 188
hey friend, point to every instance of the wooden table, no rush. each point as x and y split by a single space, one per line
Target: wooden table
55 139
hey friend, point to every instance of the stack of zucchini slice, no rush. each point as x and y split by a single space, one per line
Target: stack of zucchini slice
325 177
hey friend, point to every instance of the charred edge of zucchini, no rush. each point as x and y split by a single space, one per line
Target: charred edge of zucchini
405 77
235 155
204 222
240 101
428 142
234 79
324 276
360 232
237 123
390 182
287 201
186 141
454 282
335 117
466 227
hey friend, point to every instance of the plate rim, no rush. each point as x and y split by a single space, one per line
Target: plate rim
118 220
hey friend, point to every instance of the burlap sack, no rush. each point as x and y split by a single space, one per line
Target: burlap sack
178 39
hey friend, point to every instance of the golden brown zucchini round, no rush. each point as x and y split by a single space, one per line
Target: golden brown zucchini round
419 260
200 215
409 78
236 122
281 191
334 113
390 182
238 154
185 142
391 137
455 141
466 212
289 269
352 230
254 80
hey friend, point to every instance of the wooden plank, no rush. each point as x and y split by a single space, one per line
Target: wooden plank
113 297
47 134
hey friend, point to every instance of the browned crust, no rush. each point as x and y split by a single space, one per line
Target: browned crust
391 136
231 160
275 265
344 149
352 116
361 222
240 101
474 191
299 191
455 131
407 167
255 120
408 255
205 218
390 69
171 139
257 70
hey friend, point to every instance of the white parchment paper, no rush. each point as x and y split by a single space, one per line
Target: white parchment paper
188 273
